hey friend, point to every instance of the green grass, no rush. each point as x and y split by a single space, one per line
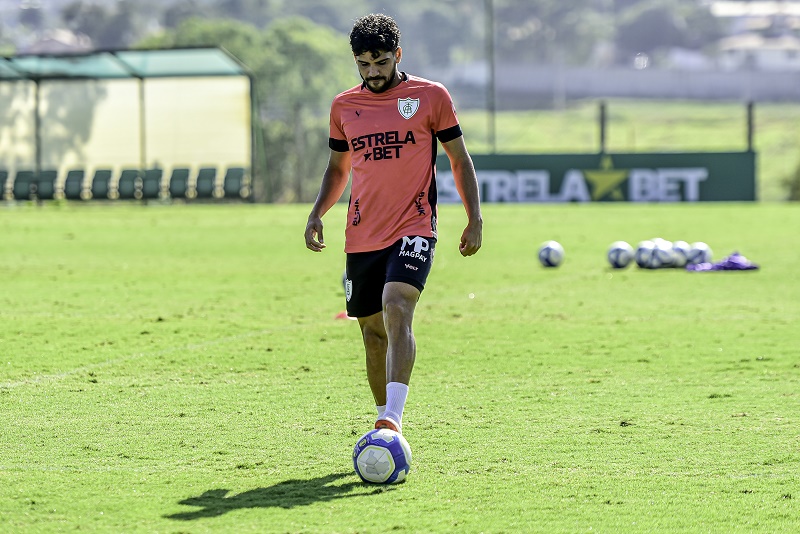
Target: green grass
179 369
652 126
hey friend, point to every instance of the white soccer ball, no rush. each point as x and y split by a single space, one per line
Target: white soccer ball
382 456
698 253
655 254
644 252
661 241
663 255
551 254
620 254
680 250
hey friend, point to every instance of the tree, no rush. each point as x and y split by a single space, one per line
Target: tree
652 25
178 12
550 30
31 16
302 76
115 27
792 185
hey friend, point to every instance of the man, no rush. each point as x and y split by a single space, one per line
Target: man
385 130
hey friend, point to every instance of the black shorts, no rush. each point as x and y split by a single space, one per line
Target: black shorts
408 260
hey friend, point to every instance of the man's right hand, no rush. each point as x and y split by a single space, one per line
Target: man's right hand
314 239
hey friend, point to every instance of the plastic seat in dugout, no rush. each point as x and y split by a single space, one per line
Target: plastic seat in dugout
129 185
23 186
179 183
4 179
206 182
234 180
45 185
151 183
73 184
101 184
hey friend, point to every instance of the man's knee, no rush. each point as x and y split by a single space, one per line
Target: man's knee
399 302
372 329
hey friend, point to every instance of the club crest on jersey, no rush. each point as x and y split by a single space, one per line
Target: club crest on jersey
407 106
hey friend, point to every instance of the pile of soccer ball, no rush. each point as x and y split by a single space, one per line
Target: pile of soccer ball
653 253
658 253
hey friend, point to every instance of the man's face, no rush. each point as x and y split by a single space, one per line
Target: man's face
378 72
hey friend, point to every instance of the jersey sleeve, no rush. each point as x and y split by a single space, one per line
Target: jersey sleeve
445 121
337 139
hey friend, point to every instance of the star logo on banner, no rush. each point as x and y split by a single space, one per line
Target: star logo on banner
606 180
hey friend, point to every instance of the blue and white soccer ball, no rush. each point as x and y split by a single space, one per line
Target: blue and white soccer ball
698 253
663 255
681 250
382 456
551 254
644 253
620 254
654 254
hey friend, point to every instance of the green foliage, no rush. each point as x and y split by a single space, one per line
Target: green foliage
148 385
304 67
108 27
542 31
653 25
550 31
242 40
31 16
792 184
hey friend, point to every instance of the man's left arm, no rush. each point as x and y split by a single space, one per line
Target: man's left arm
467 185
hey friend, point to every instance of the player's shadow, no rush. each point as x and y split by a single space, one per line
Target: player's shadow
286 494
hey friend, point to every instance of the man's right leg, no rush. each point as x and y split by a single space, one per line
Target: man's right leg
375 344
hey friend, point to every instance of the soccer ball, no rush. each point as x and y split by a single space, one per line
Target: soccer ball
654 254
382 456
663 255
698 253
620 254
643 254
551 254
680 250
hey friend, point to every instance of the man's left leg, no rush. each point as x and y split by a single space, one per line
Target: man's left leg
399 302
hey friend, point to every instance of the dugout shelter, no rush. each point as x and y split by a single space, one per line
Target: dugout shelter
126 124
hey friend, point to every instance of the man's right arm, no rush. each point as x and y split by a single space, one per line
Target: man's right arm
334 181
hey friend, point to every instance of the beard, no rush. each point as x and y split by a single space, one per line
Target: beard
380 84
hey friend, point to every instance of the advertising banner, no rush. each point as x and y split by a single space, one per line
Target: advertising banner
639 177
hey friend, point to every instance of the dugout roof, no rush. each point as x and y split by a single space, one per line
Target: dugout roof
107 64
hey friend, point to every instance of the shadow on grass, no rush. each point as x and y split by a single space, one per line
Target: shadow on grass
286 494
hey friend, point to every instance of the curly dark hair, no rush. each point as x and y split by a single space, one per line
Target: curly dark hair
375 33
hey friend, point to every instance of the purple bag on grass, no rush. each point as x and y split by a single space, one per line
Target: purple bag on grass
734 262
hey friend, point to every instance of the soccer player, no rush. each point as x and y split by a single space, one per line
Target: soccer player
386 130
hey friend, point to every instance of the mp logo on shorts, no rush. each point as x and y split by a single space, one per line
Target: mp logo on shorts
407 106
413 247
348 289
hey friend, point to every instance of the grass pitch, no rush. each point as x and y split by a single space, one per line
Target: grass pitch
179 369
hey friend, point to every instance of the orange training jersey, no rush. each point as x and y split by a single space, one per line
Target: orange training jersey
391 137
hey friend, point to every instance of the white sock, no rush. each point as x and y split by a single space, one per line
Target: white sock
380 409
396 393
